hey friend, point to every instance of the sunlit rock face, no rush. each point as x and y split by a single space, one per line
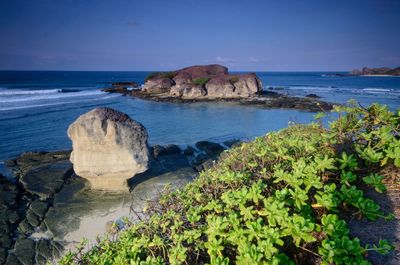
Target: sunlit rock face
108 148
203 82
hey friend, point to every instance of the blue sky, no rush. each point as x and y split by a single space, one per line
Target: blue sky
160 35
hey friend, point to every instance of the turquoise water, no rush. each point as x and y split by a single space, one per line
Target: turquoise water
37 107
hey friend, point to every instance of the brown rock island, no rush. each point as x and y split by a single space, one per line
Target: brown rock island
213 83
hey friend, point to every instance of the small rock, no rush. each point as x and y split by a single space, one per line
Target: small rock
199 159
25 250
124 84
44 248
57 249
14 217
43 226
3 255
40 259
39 208
32 218
158 150
4 229
210 148
12 260
170 149
8 197
188 151
23 204
24 227
312 96
4 216
6 241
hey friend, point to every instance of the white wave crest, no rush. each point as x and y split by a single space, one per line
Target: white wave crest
49 96
16 92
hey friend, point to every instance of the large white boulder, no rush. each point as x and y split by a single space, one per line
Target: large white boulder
108 148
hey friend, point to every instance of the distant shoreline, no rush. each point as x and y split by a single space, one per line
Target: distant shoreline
380 75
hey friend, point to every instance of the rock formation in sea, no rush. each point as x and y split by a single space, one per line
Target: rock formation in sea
213 83
108 148
204 81
376 71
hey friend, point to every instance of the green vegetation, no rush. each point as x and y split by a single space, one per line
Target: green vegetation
234 79
161 74
201 81
281 199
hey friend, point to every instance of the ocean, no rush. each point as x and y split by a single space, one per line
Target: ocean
36 107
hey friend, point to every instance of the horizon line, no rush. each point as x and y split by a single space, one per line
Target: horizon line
262 71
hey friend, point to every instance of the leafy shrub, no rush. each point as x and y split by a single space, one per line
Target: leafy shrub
279 199
201 81
161 74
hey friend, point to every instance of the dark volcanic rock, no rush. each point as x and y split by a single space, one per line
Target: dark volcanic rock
46 180
25 250
189 151
3 255
39 208
12 260
32 218
169 149
312 96
25 228
120 87
200 160
14 217
172 149
30 160
8 192
210 148
5 241
157 150
43 249
124 84
122 90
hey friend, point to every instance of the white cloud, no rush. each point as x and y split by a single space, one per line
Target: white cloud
224 59
254 60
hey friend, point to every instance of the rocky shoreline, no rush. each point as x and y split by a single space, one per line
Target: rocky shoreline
46 198
267 100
